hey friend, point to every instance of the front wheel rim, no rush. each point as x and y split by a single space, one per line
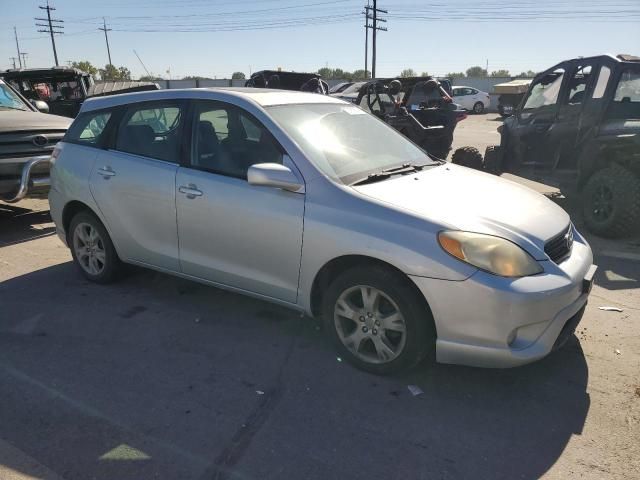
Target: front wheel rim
89 248
370 324
602 206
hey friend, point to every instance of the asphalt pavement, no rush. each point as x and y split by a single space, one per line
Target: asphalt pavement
158 377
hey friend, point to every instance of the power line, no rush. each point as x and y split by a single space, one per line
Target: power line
51 28
105 30
13 59
24 60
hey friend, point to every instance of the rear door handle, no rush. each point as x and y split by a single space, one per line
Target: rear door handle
191 191
106 172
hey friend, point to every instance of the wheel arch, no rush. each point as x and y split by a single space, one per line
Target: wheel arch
338 265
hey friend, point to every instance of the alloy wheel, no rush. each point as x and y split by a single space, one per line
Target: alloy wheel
89 248
370 324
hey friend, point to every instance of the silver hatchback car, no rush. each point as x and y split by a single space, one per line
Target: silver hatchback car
307 201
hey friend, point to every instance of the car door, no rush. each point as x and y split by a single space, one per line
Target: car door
232 233
133 182
572 103
536 119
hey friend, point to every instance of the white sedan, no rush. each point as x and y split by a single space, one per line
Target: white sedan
471 98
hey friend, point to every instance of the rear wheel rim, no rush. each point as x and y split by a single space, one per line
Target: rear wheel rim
602 203
370 324
89 248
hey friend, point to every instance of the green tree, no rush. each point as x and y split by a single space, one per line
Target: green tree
425 74
237 76
113 73
195 77
85 66
150 78
326 73
408 72
476 72
527 74
500 73
359 75
455 75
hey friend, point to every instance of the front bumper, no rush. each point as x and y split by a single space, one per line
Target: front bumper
491 321
27 184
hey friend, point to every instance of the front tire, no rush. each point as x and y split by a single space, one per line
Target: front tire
92 249
611 202
478 108
467 157
377 320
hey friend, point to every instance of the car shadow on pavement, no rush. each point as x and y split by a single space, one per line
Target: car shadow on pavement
19 224
156 375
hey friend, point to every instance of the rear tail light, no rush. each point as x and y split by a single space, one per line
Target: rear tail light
55 154
461 116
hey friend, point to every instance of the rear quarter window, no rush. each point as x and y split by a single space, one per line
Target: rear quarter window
88 128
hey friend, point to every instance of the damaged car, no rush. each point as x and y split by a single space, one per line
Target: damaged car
64 89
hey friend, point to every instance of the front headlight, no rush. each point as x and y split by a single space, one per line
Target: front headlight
493 254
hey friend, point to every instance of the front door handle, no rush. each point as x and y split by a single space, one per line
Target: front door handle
191 191
106 172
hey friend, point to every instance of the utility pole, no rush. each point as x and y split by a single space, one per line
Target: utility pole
15 33
105 30
374 26
13 59
51 28
24 60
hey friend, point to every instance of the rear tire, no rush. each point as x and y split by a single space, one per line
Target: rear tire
92 250
478 108
467 157
493 160
611 202
377 320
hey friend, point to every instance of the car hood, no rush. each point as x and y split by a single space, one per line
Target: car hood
461 198
16 120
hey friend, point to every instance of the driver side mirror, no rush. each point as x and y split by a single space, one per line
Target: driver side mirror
40 105
274 175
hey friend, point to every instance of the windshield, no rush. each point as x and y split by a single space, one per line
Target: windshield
344 142
355 88
8 99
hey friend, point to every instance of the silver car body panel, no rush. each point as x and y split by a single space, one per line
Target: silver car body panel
220 238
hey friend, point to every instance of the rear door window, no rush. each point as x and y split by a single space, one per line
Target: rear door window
152 130
88 129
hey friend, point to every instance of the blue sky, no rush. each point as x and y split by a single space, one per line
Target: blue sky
217 37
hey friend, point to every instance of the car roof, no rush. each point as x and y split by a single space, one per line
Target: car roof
262 96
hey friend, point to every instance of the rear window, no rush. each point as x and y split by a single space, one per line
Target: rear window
88 128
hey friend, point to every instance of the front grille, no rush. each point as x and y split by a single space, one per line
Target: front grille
559 247
21 143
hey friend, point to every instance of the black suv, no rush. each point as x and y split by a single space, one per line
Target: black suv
421 108
578 128
27 138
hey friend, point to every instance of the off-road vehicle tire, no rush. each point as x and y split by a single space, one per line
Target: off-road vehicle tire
467 157
478 108
396 294
493 159
97 260
611 202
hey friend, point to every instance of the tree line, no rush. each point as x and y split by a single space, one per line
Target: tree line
113 73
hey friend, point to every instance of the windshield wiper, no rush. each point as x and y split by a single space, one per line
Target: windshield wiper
388 172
